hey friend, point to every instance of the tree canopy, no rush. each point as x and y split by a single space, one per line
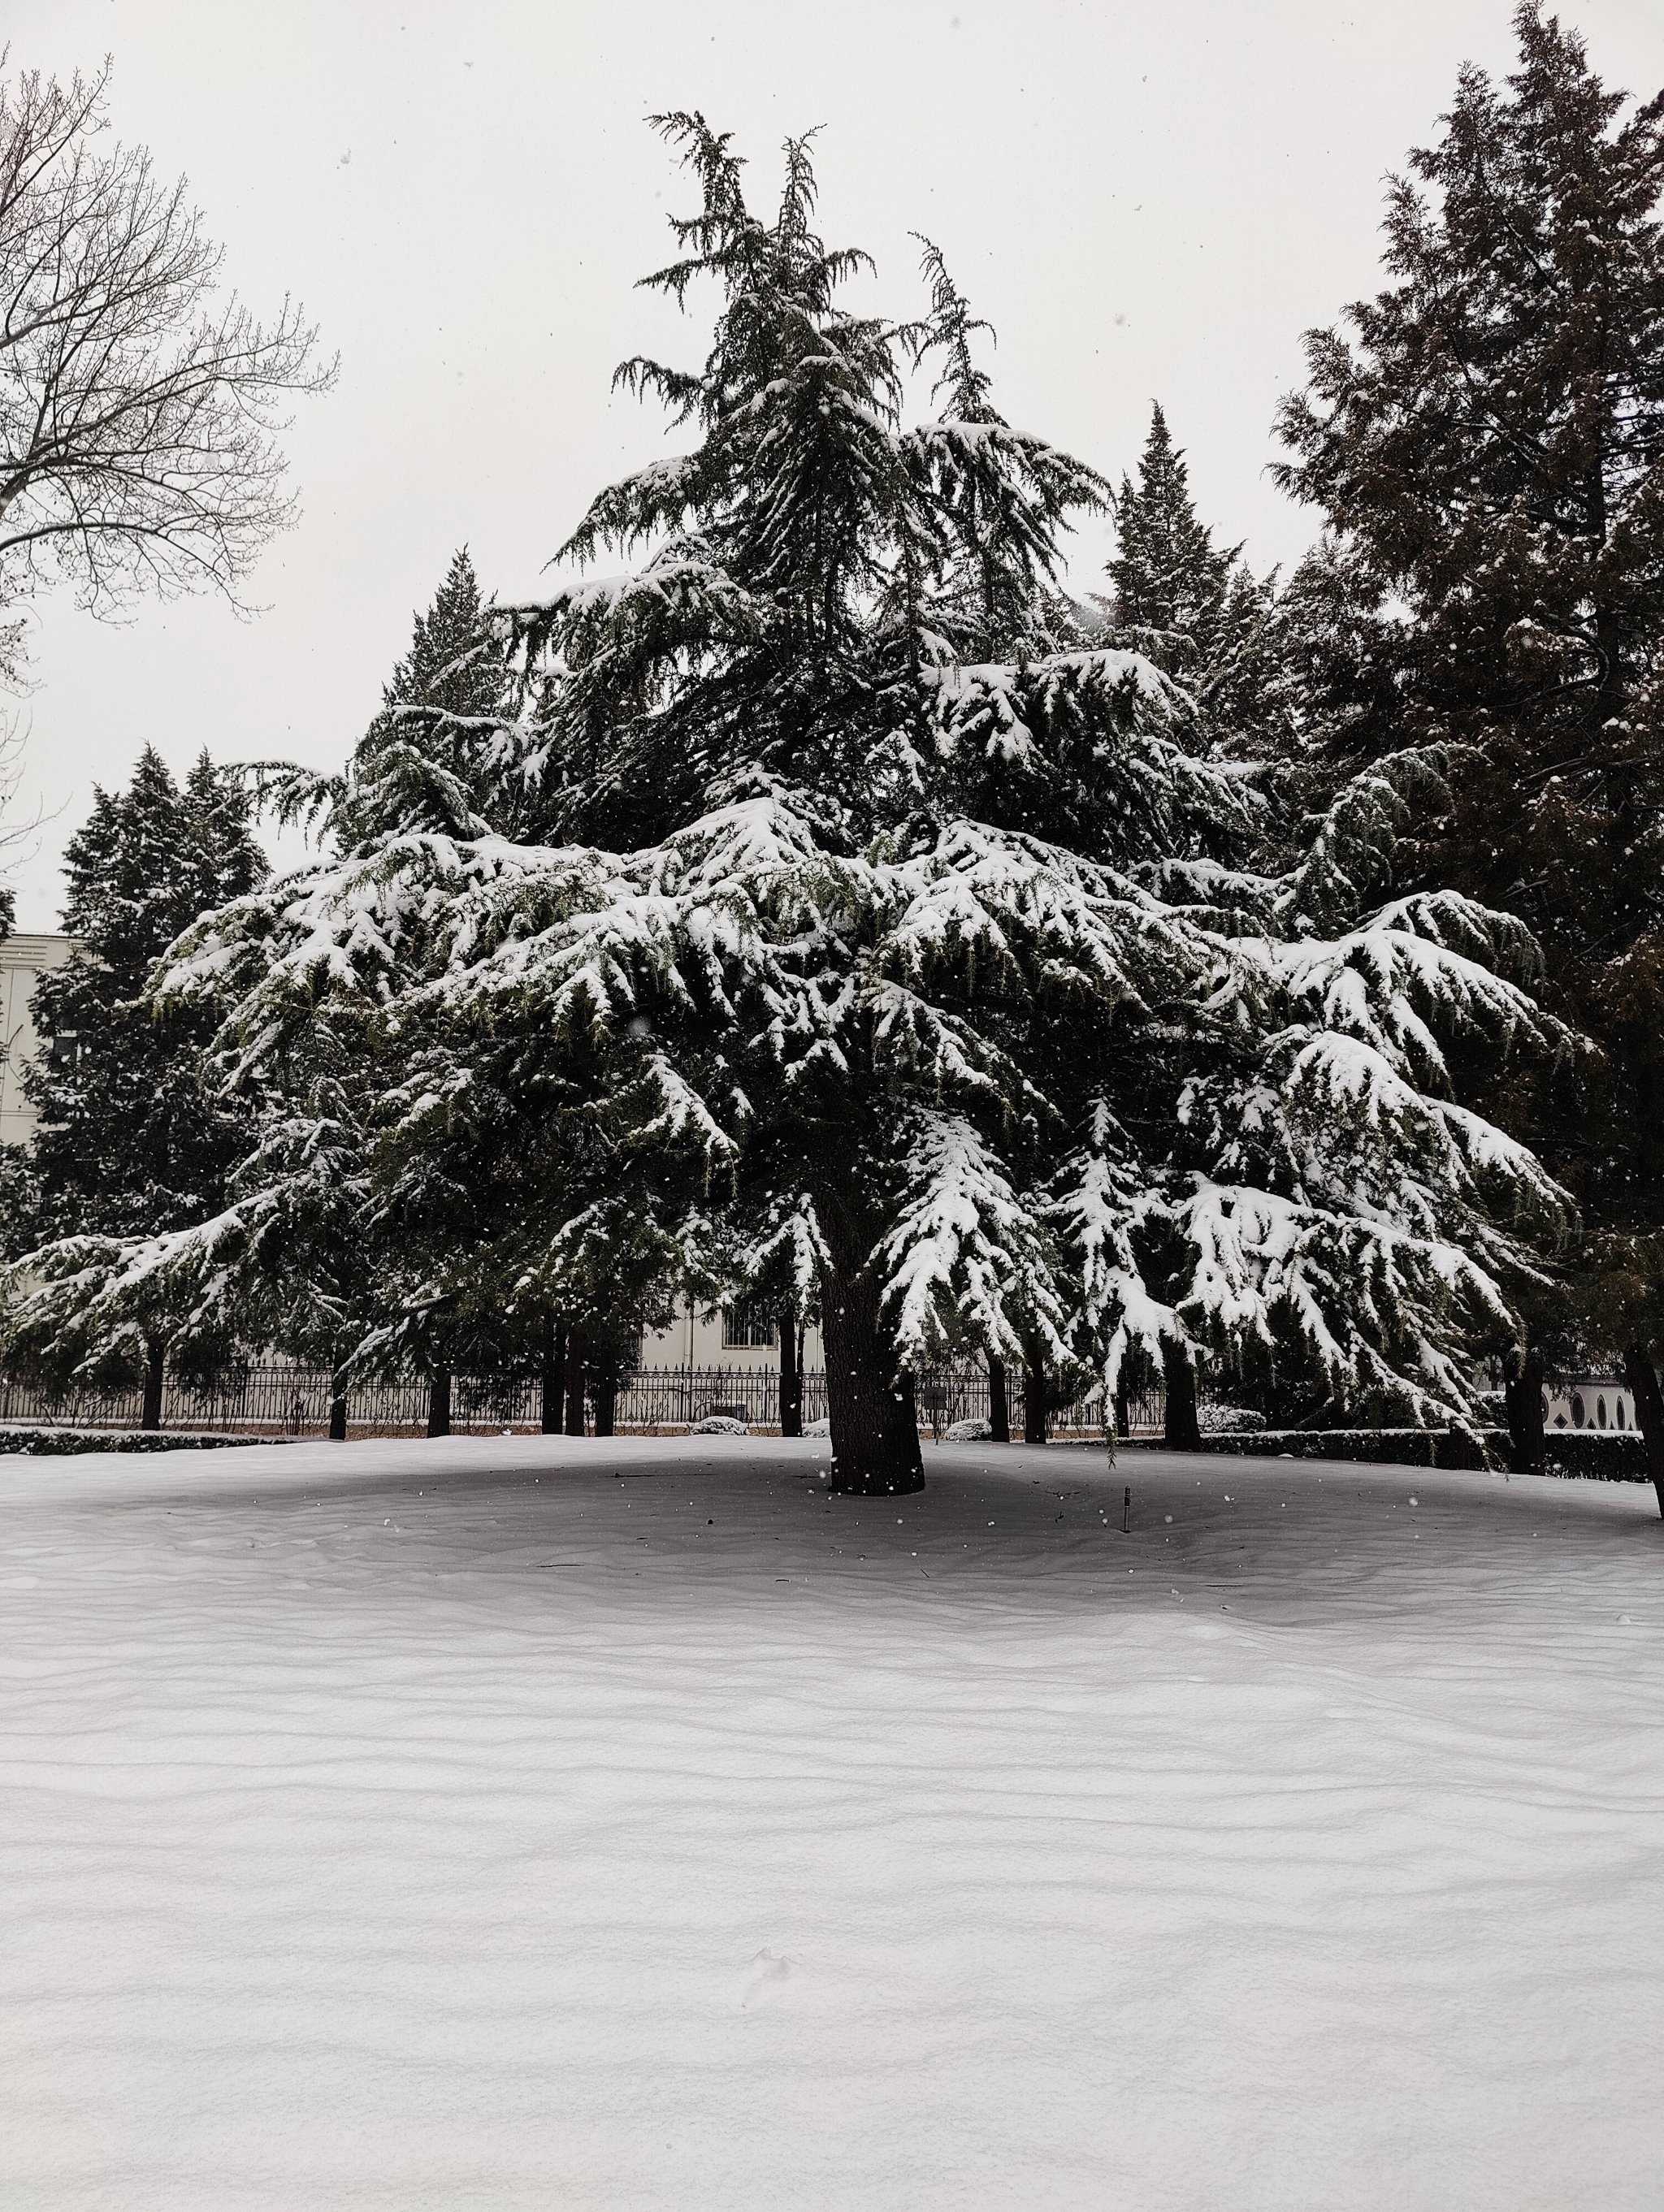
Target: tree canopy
820 895
141 402
1485 441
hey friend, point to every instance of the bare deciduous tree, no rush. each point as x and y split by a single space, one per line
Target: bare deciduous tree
140 402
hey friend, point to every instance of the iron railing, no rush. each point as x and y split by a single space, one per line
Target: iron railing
287 1401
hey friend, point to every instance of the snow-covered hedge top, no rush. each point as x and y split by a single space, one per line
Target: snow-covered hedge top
50 1441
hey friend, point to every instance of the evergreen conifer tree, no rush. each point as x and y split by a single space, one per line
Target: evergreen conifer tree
1170 579
877 937
440 714
131 1141
1194 608
1487 445
392 1213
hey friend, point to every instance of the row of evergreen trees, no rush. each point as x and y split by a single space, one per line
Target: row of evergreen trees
831 909
133 1141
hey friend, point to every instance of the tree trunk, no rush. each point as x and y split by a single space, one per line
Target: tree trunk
154 1372
338 1412
875 1428
1123 1416
606 1395
577 1351
439 1402
999 1406
791 1376
1522 1396
1643 1378
552 1381
1181 1431
1034 1393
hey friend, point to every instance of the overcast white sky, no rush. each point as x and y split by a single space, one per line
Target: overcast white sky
1148 200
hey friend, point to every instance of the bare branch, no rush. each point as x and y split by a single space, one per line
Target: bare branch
141 404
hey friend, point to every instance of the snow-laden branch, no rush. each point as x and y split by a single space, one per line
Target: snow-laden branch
967 1260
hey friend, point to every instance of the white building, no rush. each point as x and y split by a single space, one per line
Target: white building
1589 1401
734 1337
23 961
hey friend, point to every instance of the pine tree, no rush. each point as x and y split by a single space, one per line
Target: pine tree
879 938
1170 579
1487 445
131 1142
427 751
1196 609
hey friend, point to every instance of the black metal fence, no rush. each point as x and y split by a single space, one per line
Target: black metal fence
286 1400
659 1398
294 1402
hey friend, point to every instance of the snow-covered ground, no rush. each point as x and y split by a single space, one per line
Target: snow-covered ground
547 1823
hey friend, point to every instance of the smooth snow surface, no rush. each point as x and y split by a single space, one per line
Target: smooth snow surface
528 1822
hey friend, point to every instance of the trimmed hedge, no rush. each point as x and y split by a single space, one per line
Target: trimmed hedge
1451 1447
1596 1454
120 1440
1585 1454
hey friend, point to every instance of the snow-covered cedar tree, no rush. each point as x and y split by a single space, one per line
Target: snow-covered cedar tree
399 1207
134 1139
1486 443
880 929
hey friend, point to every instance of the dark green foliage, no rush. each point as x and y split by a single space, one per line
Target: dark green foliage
812 556
423 761
1170 579
1595 1456
1193 607
1487 445
131 1142
65 1442
1454 1449
817 912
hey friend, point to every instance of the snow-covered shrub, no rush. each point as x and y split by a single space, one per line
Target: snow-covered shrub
718 1425
67 1441
820 1428
1215 1418
969 1432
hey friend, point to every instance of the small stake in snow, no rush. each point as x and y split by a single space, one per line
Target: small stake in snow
1126 1511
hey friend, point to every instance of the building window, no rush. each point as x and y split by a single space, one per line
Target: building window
1619 1409
1577 1409
747 1328
1600 1412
